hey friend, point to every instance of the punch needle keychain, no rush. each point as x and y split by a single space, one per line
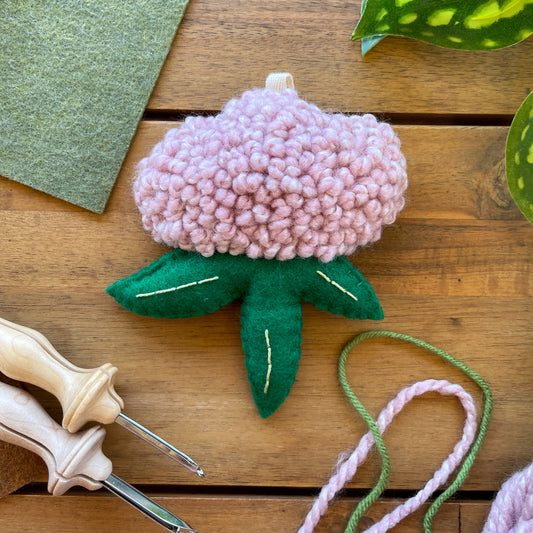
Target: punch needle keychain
261 202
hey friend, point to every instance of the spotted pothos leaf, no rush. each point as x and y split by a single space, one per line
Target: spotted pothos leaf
367 43
472 25
519 158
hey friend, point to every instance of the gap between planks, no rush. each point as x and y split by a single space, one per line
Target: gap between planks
396 119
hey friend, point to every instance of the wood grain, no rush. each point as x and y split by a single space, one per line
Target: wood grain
454 270
18 466
451 271
221 514
225 48
186 380
455 172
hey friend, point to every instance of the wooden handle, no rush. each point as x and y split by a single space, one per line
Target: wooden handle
84 394
72 459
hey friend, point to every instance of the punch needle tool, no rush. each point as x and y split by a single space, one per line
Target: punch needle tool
85 394
71 458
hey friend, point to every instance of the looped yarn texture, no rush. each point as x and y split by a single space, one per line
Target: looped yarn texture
272 176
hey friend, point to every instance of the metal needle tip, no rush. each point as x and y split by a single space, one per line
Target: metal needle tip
146 505
159 443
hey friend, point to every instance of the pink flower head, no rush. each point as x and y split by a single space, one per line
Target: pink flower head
272 176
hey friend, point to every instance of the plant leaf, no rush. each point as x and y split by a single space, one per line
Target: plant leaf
472 25
367 43
519 158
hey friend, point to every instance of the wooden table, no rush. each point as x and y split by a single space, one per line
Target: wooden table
454 270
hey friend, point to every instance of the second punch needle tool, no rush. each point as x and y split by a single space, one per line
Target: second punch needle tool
85 395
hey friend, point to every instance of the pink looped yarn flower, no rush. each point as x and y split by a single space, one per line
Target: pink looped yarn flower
261 202
272 176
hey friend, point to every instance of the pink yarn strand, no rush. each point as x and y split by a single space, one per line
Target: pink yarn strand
348 467
512 510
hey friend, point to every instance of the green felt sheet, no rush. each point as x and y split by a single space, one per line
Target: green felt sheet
75 78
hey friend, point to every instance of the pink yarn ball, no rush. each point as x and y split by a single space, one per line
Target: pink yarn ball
272 176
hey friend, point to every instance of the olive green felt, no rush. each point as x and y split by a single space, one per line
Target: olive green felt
183 284
75 80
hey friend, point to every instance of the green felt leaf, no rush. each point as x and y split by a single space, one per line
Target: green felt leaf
472 25
519 158
367 43
338 287
271 336
181 284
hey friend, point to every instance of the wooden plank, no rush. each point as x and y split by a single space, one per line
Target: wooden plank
454 173
186 379
473 515
413 257
223 514
450 258
451 271
223 49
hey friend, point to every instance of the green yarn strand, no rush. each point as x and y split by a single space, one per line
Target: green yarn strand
380 445
377 491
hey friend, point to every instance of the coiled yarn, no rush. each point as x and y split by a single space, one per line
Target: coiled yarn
512 510
347 468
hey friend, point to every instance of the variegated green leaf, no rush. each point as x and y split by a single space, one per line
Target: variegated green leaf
367 43
467 25
519 158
